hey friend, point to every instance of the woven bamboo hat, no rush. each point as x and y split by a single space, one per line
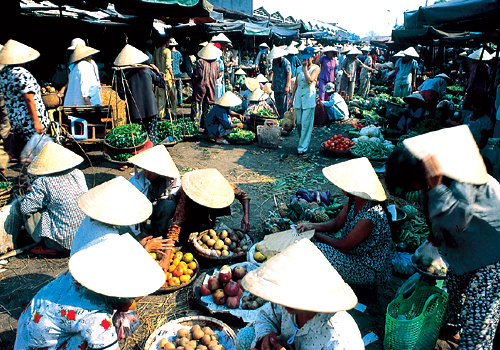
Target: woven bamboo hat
172 42
414 96
356 177
276 281
456 151
251 83
240 72
277 52
220 38
365 48
399 54
292 50
229 99
444 76
411 52
92 267
116 202
15 52
129 55
209 52
81 52
257 95
477 54
156 160
262 79
264 45
76 41
52 159
330 49
346 49
208 187
268 88
354 51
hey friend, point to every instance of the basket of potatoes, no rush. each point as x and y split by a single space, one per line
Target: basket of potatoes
223 245
192 333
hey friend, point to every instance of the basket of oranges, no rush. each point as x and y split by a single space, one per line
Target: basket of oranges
182 270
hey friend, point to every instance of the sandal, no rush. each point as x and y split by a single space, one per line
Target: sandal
39 250
221 141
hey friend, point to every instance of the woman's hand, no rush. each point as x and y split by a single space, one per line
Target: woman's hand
266 342
433 171
149 243
245 224
38 127
305 226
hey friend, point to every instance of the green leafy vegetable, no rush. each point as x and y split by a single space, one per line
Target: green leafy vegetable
238 134
371 150
125 136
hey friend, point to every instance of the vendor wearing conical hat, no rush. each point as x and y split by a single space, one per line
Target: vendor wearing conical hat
204 81
261 60
302 316
22 94
282 78
86 306
159 180
83 81
329 65
53 215
218 122
240 76
478 81
362 255
432 90
462 202
258 101
349 67
205 195
295 63
414 113
136 81
406 73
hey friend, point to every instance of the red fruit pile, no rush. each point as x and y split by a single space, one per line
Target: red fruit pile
339 143
225 286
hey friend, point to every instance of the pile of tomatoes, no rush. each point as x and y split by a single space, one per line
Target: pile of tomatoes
339 143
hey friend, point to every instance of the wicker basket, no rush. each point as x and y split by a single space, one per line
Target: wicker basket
168 289
115 150
190 321
51 100
221 260
5 195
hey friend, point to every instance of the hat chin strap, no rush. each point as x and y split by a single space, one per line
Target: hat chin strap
295 330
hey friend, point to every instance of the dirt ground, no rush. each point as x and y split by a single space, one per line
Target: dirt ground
270 176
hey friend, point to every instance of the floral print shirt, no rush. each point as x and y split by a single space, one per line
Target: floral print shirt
65 313
14 83
280 72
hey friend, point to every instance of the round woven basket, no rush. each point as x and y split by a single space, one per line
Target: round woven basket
190 321
51 100
108 158
226 259
5 195
115 150
169 289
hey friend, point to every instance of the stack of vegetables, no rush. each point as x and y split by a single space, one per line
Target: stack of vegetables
126 136
407 136
338 143
240 135
168 132
264 113
371 144
415 231
359 104
455 89
426 125
315 206
189 127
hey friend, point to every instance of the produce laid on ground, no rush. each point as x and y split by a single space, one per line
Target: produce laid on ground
455 88
338 143
221 244
188 126
120 157
372 116
426 125
264 113
410 196
193 338
181 269
126 136
240 135
371 144
168 132
4 185
415 231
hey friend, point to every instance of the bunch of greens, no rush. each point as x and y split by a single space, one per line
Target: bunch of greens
427 125
4 185
190 128
165 128
126 136
371 150
455 88
121 157
238 134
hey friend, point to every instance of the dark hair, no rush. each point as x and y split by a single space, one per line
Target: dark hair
404 170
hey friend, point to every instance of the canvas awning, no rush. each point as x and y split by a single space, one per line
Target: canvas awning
421 36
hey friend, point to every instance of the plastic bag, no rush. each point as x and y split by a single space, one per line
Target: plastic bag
289 119
126 322
34 146
401 264
428 259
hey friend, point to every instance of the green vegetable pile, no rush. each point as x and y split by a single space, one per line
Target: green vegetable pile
407 136
371 116
121 157
427 125
371 150
414 231
411 196
456 88
125 136
4 185
388 98
188 126
238 134
166 128
264 113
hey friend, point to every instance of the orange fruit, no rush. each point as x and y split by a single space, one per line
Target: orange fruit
173 251
184 278
189 272
176 262
179 271
174 281
133 305
168 275
192 265
179 255
183 264
171 267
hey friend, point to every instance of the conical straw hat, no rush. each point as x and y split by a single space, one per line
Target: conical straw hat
354 51
268 88
240 72
116 202
277 52
251 83
97 268
129 55
278 242
210 52
221 38
302 46
477 54
1 65
365 48
399 54
15 52
81 52
276 280
262 79
330 49
76 41
356 177
292 50
53 158
411 52
229 99
156 160
456 151
208 187
257 95
414 96
346 49
264 45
